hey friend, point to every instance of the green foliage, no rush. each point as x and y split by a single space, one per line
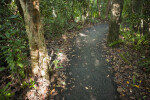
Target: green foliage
24 84
30 84
136 39
134 18
5 92
115 43
145 64
57 64
139 43
54 21
62 15
13 42
2 68
13 47
134 80
124 58
126 9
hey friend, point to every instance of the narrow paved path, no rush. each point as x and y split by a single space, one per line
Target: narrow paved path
88 75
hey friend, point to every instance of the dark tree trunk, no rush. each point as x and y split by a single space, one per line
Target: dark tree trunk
72 12
19 8
146 13
137 10
108 8
115 21
136 6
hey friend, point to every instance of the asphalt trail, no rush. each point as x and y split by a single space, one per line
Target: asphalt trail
88 77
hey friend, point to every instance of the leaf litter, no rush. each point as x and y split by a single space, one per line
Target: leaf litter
133 83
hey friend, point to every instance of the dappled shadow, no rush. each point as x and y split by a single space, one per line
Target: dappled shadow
88 77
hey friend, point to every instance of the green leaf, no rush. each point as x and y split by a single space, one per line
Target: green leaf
24 84
21 72
10 41
4 47
4 89
2 97
115 42
124 58
13 16
134 79
2 41
2 36
22 47
7 34
20 64
144 96
2 68
59 67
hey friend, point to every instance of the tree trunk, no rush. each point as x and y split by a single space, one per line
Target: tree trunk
137 11
107 8
98 6
136 6
38 51
72 12
146 12
19 8
115 21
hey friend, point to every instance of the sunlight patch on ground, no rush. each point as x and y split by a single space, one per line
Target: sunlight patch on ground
97 63
78 43
92 97
83 35
92 54
94 30
64 37
93 40
62 57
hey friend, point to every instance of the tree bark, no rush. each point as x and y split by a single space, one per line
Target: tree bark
146 12
136 6
115 21
38 52
72 11
137 10
19 8
107 8
98 6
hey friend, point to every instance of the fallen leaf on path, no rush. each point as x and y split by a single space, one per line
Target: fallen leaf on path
133 98
127 82
137 86
52 91
107 75
107 60
120 90
86 88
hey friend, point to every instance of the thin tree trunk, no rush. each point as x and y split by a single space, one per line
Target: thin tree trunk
146 12
38 51
72 12
115 21
98 6
136 6
108 8
137 10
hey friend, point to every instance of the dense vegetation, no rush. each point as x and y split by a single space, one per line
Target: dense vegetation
131 28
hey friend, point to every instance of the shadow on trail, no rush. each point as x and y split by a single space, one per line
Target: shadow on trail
88 77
